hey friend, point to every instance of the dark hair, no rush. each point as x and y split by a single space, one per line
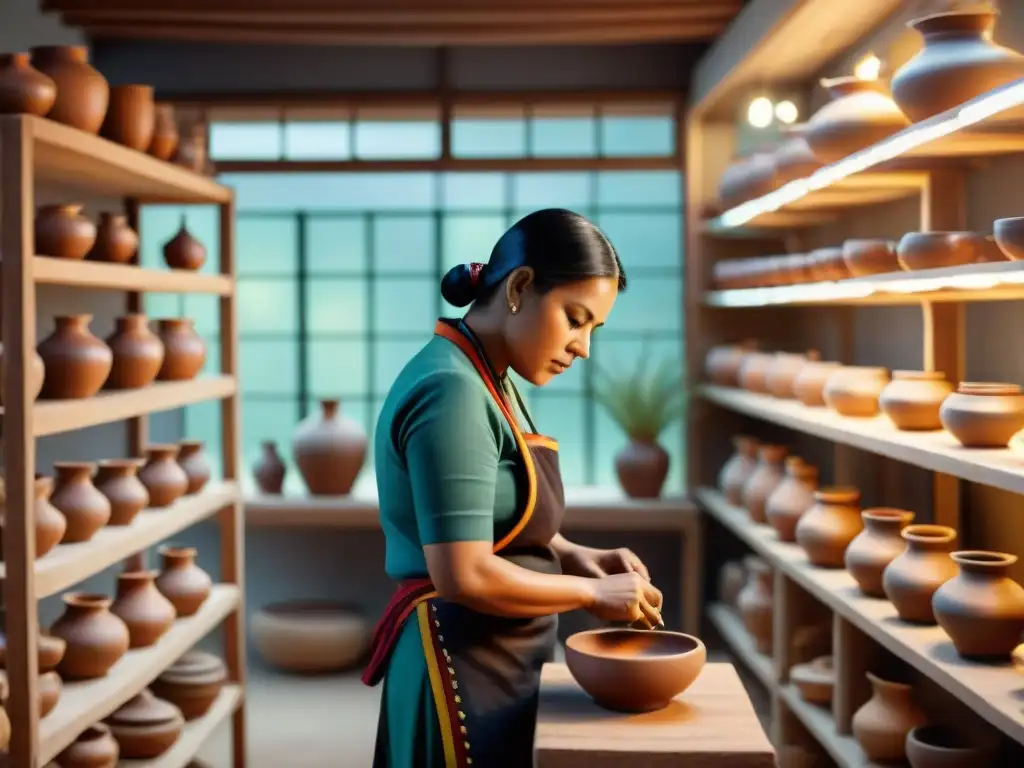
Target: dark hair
559 245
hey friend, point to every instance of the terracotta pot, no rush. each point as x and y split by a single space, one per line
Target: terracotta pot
192 459
183 251
24 90
882 724
794 159
737 470
722 363
935 250
641 466
48 521
746 179
116 242
755 603
753 373
815 680
36 374
329 450
96 638
118 480
980 414
82 92
912 577
165 133
164 479
181 581
1009 237
791 498
76 362
85 509
913 398
184 350
732 577
959 61
95 747
870 257
63 232
809 384
861 113
763 480
49 650
146 727
311 636
192 683
139 604
269 470
876 546
944 746
138 353
854 390
981 608
827 528
131 116
783 370
50 688
828 264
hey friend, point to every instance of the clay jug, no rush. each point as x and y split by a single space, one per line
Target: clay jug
138 353
130 117
791 498
116 242
192 459
118 480
722 363
737 470
36 373
876 546
63 232
763 480
24 90
860 114
269 470
827 528
184 350
146 727
183 251
911 579
95 747
641 466
83 506
76 362
139 604
913 398
981 608
882 724
82 92
181 581
329 450
48 521
755 603
96 638
794 159
164 479
945 746
165 133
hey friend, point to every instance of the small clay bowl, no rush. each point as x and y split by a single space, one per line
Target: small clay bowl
984 414
634 670
1009 236
932 250
814 680
940 746
870 257
853 390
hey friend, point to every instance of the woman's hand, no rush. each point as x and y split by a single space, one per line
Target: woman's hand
627 597
596 563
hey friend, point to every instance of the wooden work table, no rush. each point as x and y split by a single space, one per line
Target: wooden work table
710 725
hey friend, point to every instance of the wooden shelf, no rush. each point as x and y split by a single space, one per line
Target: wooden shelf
936 451
124 277
844 749
730 627
83 703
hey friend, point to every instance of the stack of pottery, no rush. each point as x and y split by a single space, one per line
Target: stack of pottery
181 581
329 450
738 469
145 727
983 414
882 724
913 576
763 480
860 114
826 529
913 398
96 638
192 683
791 498
881 542
755 603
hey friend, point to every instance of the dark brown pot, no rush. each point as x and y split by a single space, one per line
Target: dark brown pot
183 251
146 727
96 638
139 604
737 470
138 353
82 93
791 498
181 581
36 374
184 350
827 528
61 231
131 116
116 242
24 90
763 480
192 459
876 546
95 747
269 470
912 577
329 450
118 480
165 133
163 478
192 683
642 466
755 603
49 522
83 506
76 362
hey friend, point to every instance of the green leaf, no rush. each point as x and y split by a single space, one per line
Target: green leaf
643 402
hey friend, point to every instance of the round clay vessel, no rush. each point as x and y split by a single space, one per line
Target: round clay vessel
192 683
794 159
935 250
85 509
131 116
76 362
329 450
870 257
763 480
139 604
815 680
184 350
37 372
722 363
63 232
24 90
181 581
783 370
913 398
310 636
641 465
116 242
165 133
828 264
911 579
876 546
269 470
192 459
854 390
737 470
754 603
732 577
791 498
50 688
882 724
634 670
95 747
1009 236
82 92
183 251
943 746
747 178
96 638
48 521
809 384
980 414
164 479
860 114
138 353
753 371
827 528
118 480
146 727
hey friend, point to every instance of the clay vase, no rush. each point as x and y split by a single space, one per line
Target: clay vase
130 117
49 523
139 604
61 231
146 727
791 498
981 608
737 470
85 509
794 159
138 353
183 251
913 398
732 577
854 390
809 384
118 480
755 603
192 683
959 61
82 92
882 724
116 242
269 470
911 579
942 746
181 581
641 466
164 479
783 370
184 350
24 90
753 373
95 747
978 414
76 362
870 257
763 480
36 374
876 546
165 133
329 450
96 638
860 114
722 363
827 528
192 459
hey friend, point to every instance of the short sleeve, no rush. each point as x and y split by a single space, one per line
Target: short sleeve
450 440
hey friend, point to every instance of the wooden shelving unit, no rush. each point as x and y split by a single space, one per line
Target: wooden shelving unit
38 150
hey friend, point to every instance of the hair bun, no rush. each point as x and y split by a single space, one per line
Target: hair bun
458 287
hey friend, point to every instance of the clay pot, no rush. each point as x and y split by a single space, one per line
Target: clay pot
809 384
146 727
722 363
85 509
183 251
76 362
184 350
979 414
130 117
913 398
82 92
935 250
753 373
959 61
50 687
1009 237
307 637
815 680
981 608
48 521
732 577
95 747
36 374
139 604
164 479
876 546
165 133
24 90
882 724
861 113
116 242
794 159
912 577
192 683
96 638
181 581
269 470
828 264
747 178
755 603
854 390
118 480
827 528
783 370
61 231
641 466
329 450
791 498
192 459
737 470
870 257
763 480
138 353
943 746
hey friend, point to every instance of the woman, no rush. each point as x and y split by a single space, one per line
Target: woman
471 501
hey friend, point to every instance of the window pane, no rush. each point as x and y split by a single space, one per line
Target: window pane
267 246
562 418
245 141
397 140
337 367
336 305
405 304
649 304
317 141
551 190
333 192
269 367
563 137
336 244
390 357
267 419
157 305
639 189
204 312
470 237
404 244
474 191
267 305
637 136
488 138
645 239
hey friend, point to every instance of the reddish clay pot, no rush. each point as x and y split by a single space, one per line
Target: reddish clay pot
913 398
165 133
184 350
36 374
63 232
192 459
912 578
116 242
641 466
755 603
85 509
130 117
165 481
146 727
329 450
827 528
139 604
95 747
181 581
980 414
269 470
24 90
809 384
876 546
76 362
882 724
49 522
118 480
737 470
138 353
763 480
82 93
791 498
192 683
96 638
183 251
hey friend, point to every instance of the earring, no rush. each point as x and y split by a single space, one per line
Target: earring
513 308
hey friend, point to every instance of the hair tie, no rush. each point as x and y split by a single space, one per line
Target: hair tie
474 271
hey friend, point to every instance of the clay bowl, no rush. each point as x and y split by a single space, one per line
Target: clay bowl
929 746
814 680
870 257
634 670
1009 235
